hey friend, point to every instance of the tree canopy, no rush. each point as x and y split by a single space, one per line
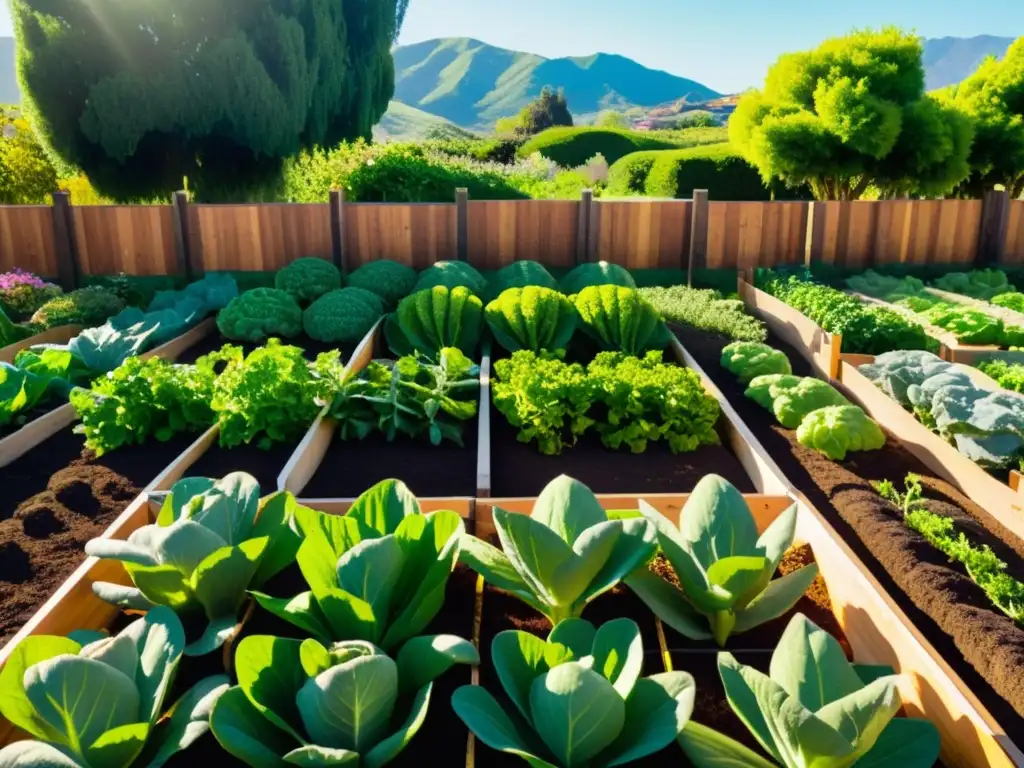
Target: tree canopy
141 94
548 110
851 114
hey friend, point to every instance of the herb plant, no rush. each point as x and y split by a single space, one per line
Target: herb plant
620 320
302 703
562 555
813 708
580 696
95 701
1014 301
212 539
377 573
308 279
748 359
430 320
724 568
22 293
706 310
533 318
978 284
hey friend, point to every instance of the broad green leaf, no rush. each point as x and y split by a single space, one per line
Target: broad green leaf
34 754
312 756
568 508
370 571
185 545
905 743
778 537
388 749
181 493
577 635
348 616
119 746
383 507
619 654
519 658
591 551
656 713
535 551
318 562
14 702
160 640
130 598
781 595
811 666
162 585
635 545
273 521
136 550
717 521
314 657
690 573
56 689
737 573
270 673
497 570
707 748
340 531
119 652
424 659
189 719
302 610
860 717
349 706
243 732
216 633
576 712
221 581
485 718
86 636
746 703
417 612
668 604
229 507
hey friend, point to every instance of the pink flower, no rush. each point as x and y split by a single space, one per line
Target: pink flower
20 277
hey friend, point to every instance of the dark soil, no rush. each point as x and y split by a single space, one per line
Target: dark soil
351 466
216 340
983 645
264 465
56 498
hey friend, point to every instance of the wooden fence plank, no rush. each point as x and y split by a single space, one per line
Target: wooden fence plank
135 239
414 234
644 234
503 231
1013 249
748 235
26 239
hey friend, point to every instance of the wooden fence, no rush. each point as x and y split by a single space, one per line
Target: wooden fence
68 242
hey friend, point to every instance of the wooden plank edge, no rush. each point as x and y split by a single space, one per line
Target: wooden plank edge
60 334
483 446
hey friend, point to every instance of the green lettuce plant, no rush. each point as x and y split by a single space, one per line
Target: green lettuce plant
212 540
377 573
838 429
564 553
814 708
764 389
621 320
579 698
724 567
532 318
749 359
303 703
91 701
430 320
791 404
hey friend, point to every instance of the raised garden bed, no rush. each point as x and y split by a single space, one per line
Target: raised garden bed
61 334
955 642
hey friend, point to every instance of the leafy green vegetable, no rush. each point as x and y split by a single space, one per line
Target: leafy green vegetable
308 279
301 703
213 292
724 568
344 315
532 318
1013 300
390 280
814 708
885 287
706 310
562 555
259 314
378 573
98 704
211 541
593 274
748 359
104 348
838 429
20 391
764 389
621 320
1007 375
970 326
520 274
791 405
414 397
10 333
451 275
581 696
430 320
978 284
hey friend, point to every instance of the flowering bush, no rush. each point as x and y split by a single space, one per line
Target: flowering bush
22 293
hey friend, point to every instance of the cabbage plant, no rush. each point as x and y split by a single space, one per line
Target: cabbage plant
302 703
564 553
814 708
580 696
724 568
212 540
93 701
377 573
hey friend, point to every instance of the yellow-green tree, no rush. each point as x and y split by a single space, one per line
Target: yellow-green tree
26 175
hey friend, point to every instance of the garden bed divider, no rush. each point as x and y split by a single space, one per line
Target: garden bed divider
60 334
820 348
483 446
17 444
879 631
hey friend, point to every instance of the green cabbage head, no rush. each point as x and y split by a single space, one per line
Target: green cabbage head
621 320
764 389
302 703
596 273
520 274
532 318
308 279
343 316
578 697
258 314
837 429
749 359
430 320
793 404
451 274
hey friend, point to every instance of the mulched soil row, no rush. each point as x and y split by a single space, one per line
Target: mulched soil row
983 645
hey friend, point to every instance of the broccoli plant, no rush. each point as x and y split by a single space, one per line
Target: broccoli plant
258 314
308 279
390 280
343 316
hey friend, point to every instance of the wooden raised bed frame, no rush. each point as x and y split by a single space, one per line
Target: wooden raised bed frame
17 444
61 334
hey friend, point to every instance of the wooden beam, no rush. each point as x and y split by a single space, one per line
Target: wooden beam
814 241
583 225
337 200
698 234
462 224
995 209
64 242
182 245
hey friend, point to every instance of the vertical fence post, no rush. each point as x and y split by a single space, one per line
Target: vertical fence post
814 240
995 209
593 230
698 234
64 241
462 224
583 226
182 242
337 202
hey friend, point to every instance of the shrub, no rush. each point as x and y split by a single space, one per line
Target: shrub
628 176
596 273
452 274
520 274
308 279
388 279
22 293
86 306
258 314
573 147
706 310
343 316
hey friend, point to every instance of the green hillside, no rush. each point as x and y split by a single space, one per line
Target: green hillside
404 123
948 60
473 84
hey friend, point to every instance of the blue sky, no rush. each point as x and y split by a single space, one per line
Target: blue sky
725 44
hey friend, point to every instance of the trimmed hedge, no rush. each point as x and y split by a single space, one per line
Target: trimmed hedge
572 147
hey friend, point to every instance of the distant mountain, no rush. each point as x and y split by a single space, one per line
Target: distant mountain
9 93
473 84
948 60
404 123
